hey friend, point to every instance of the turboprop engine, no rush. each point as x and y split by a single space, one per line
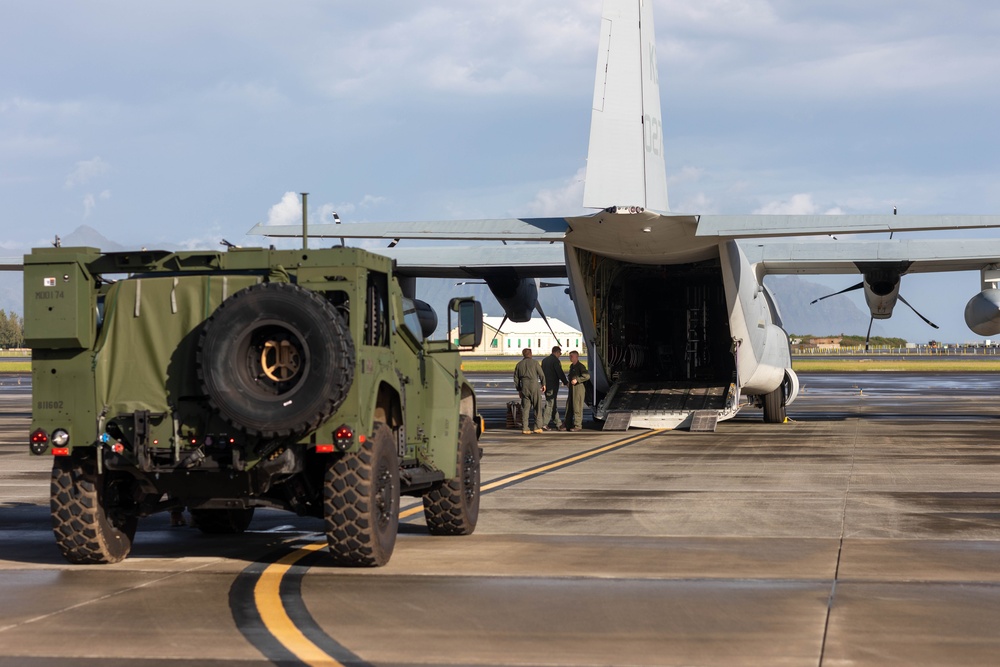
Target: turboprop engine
881 292
982 313
881 285
517 296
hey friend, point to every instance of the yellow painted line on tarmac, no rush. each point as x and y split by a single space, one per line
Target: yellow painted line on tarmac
503 481
267 591
416 509
267 597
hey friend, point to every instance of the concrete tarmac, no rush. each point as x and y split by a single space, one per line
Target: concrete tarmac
864 532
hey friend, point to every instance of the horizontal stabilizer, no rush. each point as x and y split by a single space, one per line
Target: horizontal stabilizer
506 229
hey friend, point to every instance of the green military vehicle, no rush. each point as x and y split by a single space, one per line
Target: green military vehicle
225 381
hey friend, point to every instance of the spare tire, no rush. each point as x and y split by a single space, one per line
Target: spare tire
275 360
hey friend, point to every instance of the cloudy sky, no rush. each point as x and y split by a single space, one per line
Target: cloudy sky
184 122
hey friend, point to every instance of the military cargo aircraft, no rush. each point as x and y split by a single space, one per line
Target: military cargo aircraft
673 304
678 320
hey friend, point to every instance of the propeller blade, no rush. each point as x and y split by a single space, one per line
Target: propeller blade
472 282
545 284
918 314
538 307
848 289
502 322
868 335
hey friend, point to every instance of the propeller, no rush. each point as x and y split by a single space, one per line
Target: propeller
871 320
917 313
502 322
538 307
843 291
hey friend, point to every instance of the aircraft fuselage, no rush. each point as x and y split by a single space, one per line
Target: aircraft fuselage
675 323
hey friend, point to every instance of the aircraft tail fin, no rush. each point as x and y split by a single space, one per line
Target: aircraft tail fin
625 164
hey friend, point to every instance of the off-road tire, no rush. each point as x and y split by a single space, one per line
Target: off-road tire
221 521
88 528
275 360
452 508
361 502
774 406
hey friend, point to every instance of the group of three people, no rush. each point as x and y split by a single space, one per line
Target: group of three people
533 380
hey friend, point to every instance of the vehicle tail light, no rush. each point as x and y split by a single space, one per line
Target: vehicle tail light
343 437
39 442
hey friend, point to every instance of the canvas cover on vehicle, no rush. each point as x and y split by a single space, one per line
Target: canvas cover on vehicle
145 357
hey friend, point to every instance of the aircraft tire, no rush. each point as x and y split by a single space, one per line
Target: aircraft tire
86 531
361 502
275 360
774 406
222 521
452 508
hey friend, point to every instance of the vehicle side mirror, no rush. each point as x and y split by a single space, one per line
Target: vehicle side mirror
470 321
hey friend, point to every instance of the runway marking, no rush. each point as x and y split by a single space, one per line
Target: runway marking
277 622
106 596
276 618
840 547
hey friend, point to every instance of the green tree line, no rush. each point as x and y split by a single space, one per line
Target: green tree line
11 330
856 341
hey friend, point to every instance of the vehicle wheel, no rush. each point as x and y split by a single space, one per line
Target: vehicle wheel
275 360
88 519
361 502
453 507
221 521
774 406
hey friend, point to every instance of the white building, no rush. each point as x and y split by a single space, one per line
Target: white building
515 336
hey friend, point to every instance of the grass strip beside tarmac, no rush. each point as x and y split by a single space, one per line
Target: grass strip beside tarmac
923 365
15 366
943 364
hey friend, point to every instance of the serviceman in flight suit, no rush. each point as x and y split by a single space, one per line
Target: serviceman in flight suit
578 374
530 384
553 371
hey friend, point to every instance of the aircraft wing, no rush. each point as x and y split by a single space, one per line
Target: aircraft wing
556 229
759 226
523 260
770 257
11 263
819 257
774 257
505 229
799 256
